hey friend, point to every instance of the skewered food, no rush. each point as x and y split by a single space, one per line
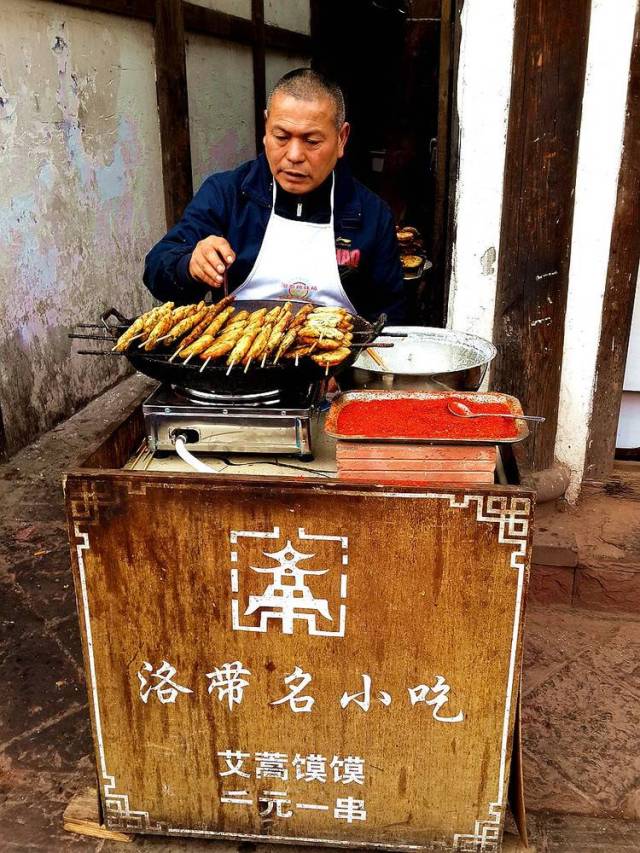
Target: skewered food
211 332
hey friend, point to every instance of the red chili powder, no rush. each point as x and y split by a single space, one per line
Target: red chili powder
423 418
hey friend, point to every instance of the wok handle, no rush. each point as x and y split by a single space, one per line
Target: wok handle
378 326
113 312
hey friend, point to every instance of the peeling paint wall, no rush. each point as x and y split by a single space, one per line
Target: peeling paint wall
221 114
81 199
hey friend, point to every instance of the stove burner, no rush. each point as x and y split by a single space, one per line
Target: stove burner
205 398
276 421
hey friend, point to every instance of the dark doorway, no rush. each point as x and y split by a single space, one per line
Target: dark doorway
386 56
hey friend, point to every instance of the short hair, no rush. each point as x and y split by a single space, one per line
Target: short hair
308 85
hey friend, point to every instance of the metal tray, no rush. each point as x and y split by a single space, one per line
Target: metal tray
513 404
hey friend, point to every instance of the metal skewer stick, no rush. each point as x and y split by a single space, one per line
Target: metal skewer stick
205 364
176 353
246 367
230 368
188 358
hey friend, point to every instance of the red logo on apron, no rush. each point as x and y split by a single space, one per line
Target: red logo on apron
348 257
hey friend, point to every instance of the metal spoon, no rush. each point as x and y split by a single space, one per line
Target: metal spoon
463 411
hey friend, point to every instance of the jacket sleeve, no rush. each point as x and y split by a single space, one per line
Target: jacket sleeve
388 282
166 269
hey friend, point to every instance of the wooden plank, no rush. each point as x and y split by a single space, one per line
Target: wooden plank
173 108
622 273
259 71
447 116
82 816
451 151
143 10
210 22
159 563
550 49
288 41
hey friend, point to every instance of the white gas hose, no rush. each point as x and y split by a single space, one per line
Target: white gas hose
190 459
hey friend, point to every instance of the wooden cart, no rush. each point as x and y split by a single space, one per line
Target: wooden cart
300 661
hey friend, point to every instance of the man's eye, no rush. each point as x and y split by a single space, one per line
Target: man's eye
281 138
313 141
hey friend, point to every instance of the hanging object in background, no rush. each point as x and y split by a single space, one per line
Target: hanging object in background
412 254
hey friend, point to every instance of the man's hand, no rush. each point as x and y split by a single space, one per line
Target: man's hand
209 260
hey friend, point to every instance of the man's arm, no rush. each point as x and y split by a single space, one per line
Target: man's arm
166 269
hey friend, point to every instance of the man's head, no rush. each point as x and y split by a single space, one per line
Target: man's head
305 130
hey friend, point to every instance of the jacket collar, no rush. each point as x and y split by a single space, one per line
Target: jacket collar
258 185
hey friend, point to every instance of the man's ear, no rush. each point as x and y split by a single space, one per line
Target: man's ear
343 136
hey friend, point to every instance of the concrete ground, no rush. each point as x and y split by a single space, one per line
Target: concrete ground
581 714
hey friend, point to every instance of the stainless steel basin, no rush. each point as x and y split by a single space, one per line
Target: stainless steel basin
427 359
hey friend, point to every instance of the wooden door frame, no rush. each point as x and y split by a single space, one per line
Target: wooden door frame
619 295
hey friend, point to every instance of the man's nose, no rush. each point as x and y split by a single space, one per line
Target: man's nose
295 153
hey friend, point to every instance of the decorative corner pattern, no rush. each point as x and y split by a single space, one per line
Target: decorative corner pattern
486 836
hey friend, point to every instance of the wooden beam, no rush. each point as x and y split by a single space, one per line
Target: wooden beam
447 151
550 51
173 108
143 10
259 70
209 22
288 41
622 274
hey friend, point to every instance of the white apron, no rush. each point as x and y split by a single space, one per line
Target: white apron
297 260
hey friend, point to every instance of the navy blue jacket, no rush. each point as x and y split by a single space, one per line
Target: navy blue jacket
237 205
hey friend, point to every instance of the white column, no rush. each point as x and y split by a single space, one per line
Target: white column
599 153
484 89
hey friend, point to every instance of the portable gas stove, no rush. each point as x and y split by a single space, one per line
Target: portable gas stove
274 421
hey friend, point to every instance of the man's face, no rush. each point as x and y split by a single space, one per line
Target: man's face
302 142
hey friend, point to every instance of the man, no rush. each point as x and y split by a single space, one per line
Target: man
291 224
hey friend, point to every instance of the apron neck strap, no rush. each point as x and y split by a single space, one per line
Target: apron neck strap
331 196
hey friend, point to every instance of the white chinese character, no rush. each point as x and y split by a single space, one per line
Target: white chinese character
363 699
312 807
349 809
288 598
297 703
228 681
274 799
311 768
441 697
236 798
234 761
349 769
272 764
166 690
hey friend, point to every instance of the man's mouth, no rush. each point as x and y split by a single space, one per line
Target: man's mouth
294 175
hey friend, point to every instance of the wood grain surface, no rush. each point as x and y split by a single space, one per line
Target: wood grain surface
434 586
549 62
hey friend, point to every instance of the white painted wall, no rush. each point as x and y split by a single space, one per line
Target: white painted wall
277 64
484 87
601 137
289 14
221 113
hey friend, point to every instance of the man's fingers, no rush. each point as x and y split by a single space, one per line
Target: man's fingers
214 277
207 277
212 256
225 251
